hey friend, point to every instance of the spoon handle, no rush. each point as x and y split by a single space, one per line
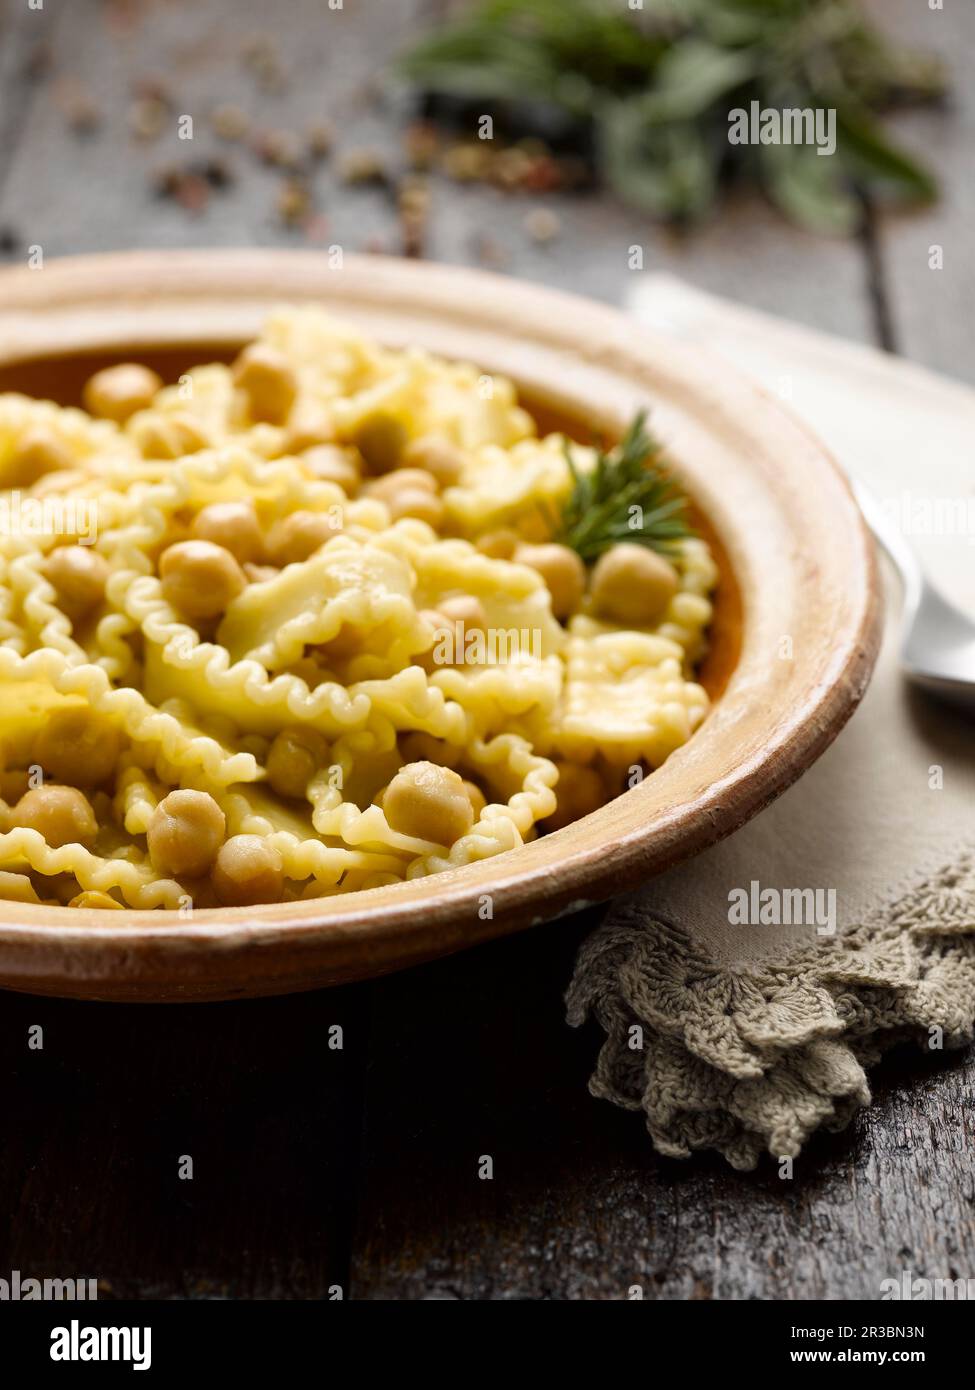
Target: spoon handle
892 540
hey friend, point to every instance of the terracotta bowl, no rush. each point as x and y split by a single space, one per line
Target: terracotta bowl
795 560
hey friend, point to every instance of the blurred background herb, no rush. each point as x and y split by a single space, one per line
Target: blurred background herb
645 94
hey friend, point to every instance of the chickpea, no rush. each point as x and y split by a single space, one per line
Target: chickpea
418 747
14 782
37 452
115 393
200 578
92 898
563 572
465 609
293 759
579 790
477 798
78 746
168 436
417 502
448 647
381 439
232 525
388 486
295 537
185 831
268 380
632 585
63 815
346 643
79 575
248 871
428 802
309 424
435 620
437 456
330 464
500 544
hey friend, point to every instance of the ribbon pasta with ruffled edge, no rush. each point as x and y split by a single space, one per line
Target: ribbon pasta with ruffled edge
296 627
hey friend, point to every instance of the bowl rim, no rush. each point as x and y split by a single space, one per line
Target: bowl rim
97 303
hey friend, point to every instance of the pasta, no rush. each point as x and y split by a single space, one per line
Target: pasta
306 625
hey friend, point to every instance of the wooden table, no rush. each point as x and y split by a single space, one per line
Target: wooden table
357 1168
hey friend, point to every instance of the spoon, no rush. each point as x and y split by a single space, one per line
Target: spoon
938 646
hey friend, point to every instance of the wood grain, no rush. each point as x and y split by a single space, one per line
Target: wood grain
579 1208
336 62
96 1124
470 1054
927 322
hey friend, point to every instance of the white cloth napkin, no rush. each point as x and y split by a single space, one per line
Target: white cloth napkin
749 1037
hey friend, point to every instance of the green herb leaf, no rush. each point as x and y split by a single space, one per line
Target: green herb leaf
868 154
657 84
669 170
691 78
810 189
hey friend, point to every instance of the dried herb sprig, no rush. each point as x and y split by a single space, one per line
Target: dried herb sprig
650 90
626 496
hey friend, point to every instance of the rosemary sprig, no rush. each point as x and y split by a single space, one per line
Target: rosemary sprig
627 496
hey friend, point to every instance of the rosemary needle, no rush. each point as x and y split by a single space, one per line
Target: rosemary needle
627 496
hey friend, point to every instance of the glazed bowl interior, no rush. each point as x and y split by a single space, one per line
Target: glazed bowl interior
796 573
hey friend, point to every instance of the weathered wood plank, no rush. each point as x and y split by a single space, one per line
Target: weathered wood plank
931 309
747 253
95 1125
97 192
24 37
470 1057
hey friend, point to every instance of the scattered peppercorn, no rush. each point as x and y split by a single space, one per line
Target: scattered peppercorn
294 202
193 193
489 252
216 171
321 139
279 148
147 118
262 60
39 62
542 224
77 105
229 122
363 166
317 227
413 204
152 87
422 145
